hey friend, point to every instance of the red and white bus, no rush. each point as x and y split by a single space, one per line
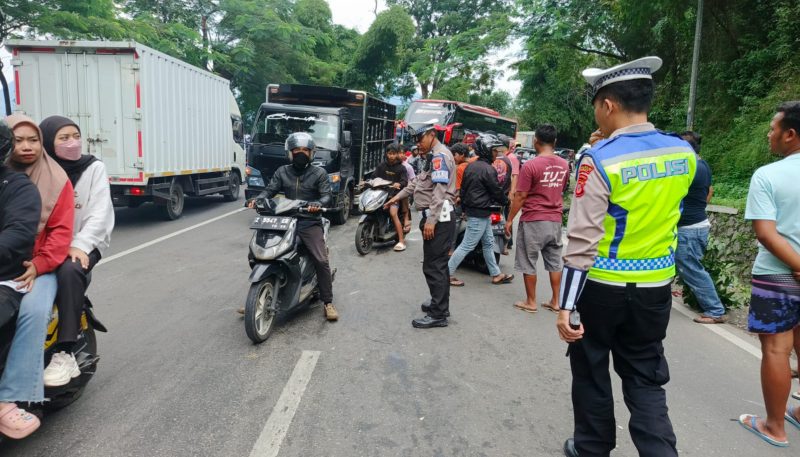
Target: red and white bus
460 121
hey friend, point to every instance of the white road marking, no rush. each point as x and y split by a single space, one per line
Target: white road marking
720 330
166 237
271 438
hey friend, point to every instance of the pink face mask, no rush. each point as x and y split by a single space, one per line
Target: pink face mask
69 150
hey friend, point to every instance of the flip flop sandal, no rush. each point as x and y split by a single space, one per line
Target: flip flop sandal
789 416
521 306
752 427
506 280
455 282
399 247
549 308
17 423
796 395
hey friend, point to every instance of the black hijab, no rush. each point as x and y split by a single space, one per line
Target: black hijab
73 168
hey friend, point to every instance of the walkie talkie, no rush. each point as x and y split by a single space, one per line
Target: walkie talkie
575 320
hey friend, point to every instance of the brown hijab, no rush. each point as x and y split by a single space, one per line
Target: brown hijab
48 176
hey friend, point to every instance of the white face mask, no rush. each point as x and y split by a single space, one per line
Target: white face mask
69 150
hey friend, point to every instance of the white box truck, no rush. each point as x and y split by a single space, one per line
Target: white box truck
163 128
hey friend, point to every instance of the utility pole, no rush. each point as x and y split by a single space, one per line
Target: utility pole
698 29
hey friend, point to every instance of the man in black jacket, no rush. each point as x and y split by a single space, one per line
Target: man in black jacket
20 208
479 192
303 181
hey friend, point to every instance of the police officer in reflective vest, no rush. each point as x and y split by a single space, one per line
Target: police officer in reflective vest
434 193
619 264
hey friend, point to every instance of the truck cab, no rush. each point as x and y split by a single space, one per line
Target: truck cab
330 128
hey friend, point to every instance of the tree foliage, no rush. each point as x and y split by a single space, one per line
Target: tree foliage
453 40
748 64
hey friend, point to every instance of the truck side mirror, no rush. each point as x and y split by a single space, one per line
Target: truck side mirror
347 138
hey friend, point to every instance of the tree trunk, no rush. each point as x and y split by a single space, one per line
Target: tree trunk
423 87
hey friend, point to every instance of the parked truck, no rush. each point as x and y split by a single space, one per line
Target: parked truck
163 128
525 139
351 130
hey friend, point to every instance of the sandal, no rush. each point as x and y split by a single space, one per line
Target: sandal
790 418
455 282
399 247
506 279
553 309
16 423
796 395
751 425
524 307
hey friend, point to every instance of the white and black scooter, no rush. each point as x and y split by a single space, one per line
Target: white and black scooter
375 225
283 278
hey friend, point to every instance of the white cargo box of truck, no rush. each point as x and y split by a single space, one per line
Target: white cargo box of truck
163 128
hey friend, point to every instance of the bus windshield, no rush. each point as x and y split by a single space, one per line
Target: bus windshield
273 127
437 113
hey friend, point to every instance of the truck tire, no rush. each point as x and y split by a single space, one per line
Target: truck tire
234 183
173 208
340 217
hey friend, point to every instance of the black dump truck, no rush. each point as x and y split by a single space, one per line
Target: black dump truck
350 128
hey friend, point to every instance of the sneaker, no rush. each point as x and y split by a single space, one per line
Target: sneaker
330 312
61 370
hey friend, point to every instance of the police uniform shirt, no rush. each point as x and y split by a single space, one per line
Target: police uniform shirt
435 186
585 229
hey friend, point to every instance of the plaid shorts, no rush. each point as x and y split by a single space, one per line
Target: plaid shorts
774 304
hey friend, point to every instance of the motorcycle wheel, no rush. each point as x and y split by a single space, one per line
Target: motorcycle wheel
365 237
259 316
62 397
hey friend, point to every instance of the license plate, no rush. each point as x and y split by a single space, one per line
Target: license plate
271 223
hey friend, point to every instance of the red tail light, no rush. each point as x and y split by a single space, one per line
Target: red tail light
137 191
496 218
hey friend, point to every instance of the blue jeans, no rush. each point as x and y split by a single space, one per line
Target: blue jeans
691 248
23 377
479 230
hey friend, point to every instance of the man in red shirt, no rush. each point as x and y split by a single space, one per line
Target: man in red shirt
539 194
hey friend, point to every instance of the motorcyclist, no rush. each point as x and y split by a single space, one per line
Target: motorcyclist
303 181
20 208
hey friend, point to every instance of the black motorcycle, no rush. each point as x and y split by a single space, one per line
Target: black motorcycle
283 278
475 258
85 355
375 225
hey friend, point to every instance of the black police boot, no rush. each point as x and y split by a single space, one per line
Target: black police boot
426 308
569 448
429 322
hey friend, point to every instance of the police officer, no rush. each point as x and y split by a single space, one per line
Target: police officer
434 193
620 262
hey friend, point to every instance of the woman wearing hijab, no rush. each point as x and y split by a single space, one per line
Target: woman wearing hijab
22 379
94 220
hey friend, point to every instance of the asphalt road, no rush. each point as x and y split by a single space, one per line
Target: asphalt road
179 377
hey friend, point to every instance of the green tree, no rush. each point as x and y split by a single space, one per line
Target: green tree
381 61
453 39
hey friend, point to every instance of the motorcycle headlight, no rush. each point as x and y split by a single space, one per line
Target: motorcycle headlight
266 245
372 199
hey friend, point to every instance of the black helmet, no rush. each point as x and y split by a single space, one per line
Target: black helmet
484 145
300 140
6 141
505 139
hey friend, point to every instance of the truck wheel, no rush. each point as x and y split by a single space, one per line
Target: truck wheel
234 184
173 208
340 217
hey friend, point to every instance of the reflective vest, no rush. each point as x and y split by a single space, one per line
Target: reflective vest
648 174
